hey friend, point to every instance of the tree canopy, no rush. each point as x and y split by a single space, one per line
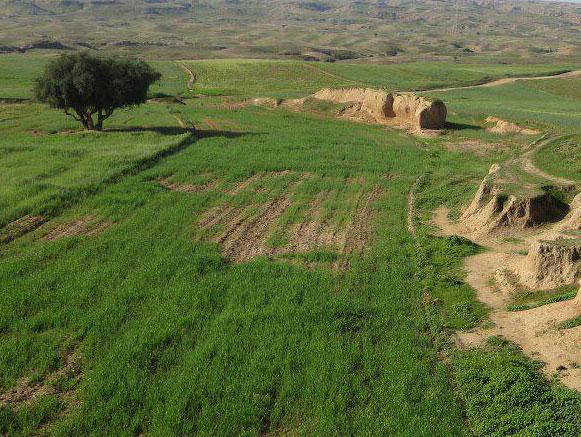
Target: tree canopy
90 88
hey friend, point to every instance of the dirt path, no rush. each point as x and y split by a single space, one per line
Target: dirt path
411 210
525 162
507 80
328 73
192 75
535 330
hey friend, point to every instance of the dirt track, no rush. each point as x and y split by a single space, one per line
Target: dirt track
411 210
525 162
507 80
192 75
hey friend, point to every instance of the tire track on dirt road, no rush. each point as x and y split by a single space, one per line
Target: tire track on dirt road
192 79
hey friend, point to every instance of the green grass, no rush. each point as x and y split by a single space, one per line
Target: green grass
428 75
505 394
561 157
570 323
251 77
17 74
569 88
42 166
528 299
176 340
515 102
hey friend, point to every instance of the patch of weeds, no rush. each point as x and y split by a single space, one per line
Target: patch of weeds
529 299
570 323
441 261
521 252
513 240
505 394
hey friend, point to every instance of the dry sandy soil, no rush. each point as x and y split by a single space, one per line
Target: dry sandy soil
534 330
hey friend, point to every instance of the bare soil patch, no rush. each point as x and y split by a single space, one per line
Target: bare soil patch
26 390
245 231
19 227
504 127
89 225
186 188
480 148
191 74
359 231
267 102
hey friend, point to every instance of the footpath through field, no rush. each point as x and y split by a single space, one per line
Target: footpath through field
508 80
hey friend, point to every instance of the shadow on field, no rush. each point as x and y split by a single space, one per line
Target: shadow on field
163 130
462 126
205 133
176 130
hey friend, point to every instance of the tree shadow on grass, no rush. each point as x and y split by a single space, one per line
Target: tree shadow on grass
176 130
461 126
162 130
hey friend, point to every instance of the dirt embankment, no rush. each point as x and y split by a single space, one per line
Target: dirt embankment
493 210
544 252
504 127
536 330
378 103
427 114
383 106
572 221
550 264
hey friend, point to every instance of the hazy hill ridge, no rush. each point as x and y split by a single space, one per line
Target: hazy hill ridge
315 30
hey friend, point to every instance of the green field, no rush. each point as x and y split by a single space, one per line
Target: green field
257 276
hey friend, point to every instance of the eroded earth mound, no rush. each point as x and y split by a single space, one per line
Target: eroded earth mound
382 105
550 264
492 210
504 127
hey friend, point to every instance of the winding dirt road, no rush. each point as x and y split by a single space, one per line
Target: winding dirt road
507 80
525 161
192 79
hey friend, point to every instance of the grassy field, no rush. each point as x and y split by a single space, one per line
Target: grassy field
160 317
18 71
283 78
517 102
561 157
255 277
276 78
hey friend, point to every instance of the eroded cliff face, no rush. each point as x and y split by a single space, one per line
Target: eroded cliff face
382 105
491 210
572 221
427 114
378 103
550 264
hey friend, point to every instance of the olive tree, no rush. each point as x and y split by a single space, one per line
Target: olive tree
90 88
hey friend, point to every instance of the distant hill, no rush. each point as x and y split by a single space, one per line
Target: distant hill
325 30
